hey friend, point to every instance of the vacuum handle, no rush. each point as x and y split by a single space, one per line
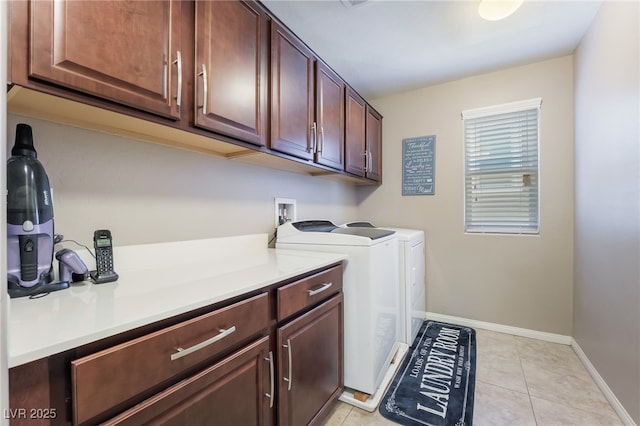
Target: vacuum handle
28 257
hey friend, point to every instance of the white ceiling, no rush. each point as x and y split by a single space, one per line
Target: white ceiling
386 46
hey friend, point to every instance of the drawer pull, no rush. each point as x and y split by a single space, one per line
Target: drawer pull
271 393
183 352
290 379
320 289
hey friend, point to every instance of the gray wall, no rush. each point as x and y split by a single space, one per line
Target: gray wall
4 304
607 200
149 193
517 280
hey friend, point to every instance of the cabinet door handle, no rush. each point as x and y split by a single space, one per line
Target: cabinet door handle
178 63
320 289
184 352
314 130
321 145
205 89
366 161
271 393
290 378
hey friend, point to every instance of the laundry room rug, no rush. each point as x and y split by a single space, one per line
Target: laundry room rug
435 384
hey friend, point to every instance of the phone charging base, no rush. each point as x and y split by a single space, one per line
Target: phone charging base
101 279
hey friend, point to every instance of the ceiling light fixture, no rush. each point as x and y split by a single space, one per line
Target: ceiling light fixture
494 10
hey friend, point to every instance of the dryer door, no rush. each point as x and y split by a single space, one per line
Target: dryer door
417 290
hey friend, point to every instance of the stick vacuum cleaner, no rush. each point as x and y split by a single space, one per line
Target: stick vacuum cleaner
30 238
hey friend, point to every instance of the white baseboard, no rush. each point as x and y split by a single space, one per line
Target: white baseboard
516 331
549 337
608 393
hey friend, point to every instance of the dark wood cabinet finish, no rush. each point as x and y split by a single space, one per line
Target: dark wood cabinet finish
292 95
144 65
310 353
29 385
231 69
330 97
363 138
302 294
234 391
126 52
232 381
107 378
355 134
374 145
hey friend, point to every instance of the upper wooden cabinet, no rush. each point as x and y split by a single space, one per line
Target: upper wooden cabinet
126 52
292 95
374 145
307 103
231 69
330 97
224 77
355 131
363 138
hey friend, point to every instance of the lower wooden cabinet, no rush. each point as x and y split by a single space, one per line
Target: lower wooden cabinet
275 357
235 391
310 350
116 375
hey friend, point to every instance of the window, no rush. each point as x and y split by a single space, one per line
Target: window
501 168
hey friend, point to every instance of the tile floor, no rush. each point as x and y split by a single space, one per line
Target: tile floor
519 381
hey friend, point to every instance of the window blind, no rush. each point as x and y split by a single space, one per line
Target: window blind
501 168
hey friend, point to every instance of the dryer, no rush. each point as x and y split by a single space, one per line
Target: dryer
371 299
412 283
412 307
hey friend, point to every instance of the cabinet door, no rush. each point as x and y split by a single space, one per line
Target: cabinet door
374 145
355 132
329 117
310 353
235 391
123 51
292 99
231 69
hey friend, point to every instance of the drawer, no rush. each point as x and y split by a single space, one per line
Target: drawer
230 392
110 377
308 291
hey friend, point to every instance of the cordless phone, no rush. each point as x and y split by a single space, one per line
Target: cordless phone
103 245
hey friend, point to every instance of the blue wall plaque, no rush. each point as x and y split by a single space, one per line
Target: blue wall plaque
418 165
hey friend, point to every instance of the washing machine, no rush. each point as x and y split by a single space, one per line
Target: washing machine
412 308
371 299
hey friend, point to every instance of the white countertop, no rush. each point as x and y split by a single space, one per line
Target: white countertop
157 281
